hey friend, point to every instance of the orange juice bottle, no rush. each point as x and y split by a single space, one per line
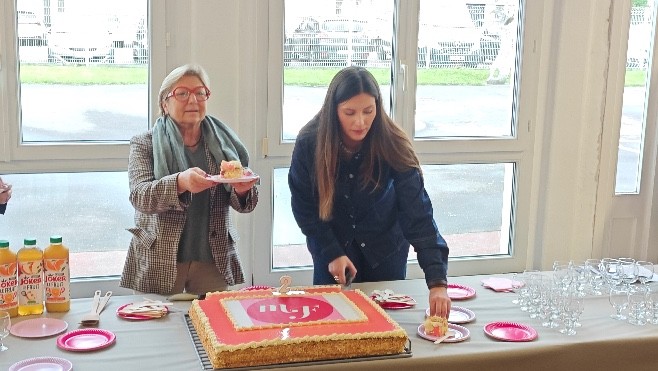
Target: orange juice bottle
56 276
8 280
30 278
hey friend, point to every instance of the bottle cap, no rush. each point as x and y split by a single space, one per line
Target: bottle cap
30 242
55 239
4 243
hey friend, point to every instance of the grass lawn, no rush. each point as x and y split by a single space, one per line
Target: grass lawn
114 75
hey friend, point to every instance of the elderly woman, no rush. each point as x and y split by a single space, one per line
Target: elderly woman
184 240
367 202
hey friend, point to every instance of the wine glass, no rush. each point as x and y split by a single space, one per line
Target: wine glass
637 307
627 271
619 300
563 275
596 278
5 325
572 308
610 272
644 271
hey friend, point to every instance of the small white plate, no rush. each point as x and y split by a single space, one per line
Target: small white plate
461 333
38 327
42 364
457 315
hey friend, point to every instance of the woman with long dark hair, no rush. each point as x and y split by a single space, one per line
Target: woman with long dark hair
358 193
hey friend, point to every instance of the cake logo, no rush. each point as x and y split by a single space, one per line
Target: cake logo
284 310
250 313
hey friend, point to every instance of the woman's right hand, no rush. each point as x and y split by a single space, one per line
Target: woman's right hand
193 180
339 266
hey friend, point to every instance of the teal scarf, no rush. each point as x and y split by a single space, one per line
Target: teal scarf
169 152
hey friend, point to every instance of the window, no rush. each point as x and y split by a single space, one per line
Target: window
633 119
84 92
460 74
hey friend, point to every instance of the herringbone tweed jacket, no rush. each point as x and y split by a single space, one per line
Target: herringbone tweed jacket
160 216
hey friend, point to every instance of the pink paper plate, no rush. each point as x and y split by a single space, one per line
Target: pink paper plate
256 287
137 316
461 333
510 331
85 340
394 306
38 327
457 315
460 292
42 364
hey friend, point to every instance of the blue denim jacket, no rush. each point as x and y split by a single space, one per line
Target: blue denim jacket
381 222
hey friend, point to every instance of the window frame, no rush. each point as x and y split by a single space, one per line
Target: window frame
72 156
518 148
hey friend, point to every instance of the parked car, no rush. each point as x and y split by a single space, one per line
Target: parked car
329 42
79 40
452 39
31 31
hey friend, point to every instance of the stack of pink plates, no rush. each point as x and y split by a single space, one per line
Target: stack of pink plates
142 311
387 299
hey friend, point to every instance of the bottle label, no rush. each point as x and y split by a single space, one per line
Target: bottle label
8 286
56 275
30 282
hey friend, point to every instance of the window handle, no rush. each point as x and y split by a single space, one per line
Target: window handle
403 75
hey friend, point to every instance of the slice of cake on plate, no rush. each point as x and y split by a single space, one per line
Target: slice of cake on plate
231 169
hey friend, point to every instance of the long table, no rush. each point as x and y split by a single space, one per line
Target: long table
165 344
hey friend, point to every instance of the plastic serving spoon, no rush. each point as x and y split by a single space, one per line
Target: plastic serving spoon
92 318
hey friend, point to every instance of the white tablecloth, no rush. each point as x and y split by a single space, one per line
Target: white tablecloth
165 344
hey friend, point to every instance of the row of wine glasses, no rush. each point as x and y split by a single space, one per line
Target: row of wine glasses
548 297
641 304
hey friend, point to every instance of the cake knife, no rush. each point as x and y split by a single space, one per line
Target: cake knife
348 280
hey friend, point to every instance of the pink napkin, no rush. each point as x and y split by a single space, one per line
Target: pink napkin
501 284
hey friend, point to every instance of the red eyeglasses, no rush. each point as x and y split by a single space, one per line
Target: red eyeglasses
182 94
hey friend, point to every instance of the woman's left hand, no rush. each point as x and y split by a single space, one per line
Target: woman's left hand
242 188
439 302
5 192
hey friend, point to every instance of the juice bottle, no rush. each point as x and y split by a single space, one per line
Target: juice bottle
30 278
8 280
56 276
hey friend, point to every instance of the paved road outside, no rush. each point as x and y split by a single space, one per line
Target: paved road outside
467 198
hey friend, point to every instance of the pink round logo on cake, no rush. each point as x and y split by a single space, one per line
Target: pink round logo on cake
283 310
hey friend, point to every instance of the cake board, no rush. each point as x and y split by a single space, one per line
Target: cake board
206 365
